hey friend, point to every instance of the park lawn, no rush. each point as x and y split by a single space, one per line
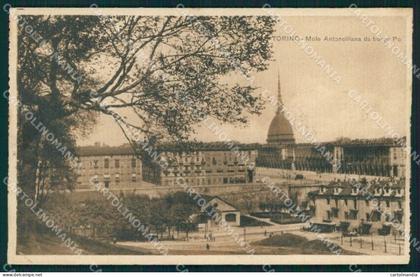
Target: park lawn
288 244
49 244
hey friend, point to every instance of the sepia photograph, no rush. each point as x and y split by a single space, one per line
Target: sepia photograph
209 136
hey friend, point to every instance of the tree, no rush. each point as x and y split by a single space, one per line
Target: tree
169 72
159 217
43 90
180 216
179 206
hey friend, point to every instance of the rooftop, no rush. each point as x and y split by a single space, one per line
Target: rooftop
362 188
104 150
191 146
126 149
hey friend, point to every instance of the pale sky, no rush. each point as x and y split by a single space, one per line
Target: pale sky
323 105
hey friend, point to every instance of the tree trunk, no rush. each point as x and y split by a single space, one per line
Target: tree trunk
37 179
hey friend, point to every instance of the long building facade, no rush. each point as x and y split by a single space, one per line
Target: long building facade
199 164
375 157
202 164
368 206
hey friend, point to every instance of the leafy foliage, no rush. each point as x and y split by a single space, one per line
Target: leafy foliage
168 73
160 215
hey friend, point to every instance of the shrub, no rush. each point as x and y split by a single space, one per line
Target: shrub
286 240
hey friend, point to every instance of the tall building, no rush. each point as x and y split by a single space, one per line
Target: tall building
280 131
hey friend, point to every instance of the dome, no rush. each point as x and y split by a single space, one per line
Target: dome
280 131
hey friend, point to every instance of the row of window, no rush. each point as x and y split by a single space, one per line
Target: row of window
210 181
200 158
198 182
374 216
117 178
117 182
183 172
107 163
346 202
367 203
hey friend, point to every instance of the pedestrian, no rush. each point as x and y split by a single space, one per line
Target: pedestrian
207 246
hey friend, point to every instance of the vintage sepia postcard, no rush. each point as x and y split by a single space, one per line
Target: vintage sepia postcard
209 136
